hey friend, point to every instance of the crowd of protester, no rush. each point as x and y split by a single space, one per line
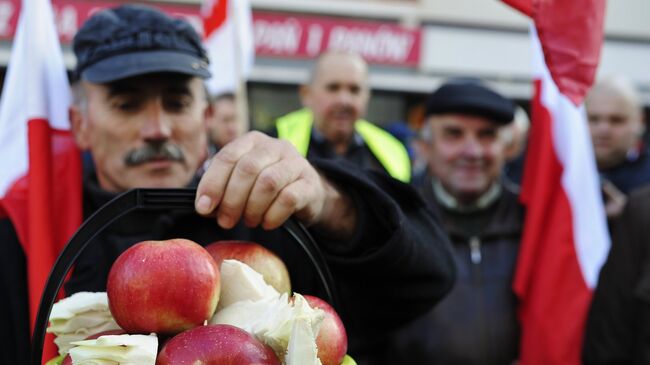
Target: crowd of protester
422 234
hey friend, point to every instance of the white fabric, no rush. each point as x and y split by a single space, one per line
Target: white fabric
580 179
231 47
36 86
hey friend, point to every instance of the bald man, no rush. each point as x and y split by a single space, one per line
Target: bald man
330 125
616 124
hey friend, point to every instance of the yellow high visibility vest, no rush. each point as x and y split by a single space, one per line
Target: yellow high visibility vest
295 127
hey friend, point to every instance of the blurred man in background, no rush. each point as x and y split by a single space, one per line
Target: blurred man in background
330 125
616 125
618 325
476 323
223 125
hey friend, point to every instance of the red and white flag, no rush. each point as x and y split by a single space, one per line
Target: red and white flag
228 39
565 239
40 178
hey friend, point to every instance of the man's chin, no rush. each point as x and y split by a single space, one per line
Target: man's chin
163 179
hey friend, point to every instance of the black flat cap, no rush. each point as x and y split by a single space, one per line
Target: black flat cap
132 40
470 97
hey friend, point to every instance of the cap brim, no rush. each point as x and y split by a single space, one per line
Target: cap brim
499 114
140 63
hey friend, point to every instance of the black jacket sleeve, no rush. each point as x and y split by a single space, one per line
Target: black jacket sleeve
14 308
401 264
619 314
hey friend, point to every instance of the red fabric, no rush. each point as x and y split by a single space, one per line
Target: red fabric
45 207
554 296
524 6
548 279
571 34
216 17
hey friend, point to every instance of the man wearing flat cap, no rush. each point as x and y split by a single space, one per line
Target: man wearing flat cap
140 110
476 322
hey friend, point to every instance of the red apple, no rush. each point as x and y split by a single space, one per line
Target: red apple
68 360
258 257
164 287
218 344
332 340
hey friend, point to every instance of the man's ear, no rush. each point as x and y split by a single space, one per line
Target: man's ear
79 126
642 124
208 114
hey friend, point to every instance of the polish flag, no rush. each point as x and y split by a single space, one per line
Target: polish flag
565 240
40 178
228 39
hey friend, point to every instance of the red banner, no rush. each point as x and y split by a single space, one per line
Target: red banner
283 35
276 35
71 14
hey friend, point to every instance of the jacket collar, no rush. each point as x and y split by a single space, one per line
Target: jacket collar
449 202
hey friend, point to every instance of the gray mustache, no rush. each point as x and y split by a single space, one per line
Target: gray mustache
154 152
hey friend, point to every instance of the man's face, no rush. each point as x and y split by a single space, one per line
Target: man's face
338 96
223 126
145 131
615 125
466 154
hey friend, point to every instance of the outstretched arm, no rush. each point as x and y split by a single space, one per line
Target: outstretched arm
263 181
389 257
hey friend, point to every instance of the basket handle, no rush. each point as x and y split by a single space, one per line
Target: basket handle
147 199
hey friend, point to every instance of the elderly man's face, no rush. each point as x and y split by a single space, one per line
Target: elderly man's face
145 131
338 96
615 125
466 154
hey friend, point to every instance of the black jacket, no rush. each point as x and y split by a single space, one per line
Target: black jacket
632 173
618 325
397 266
476 323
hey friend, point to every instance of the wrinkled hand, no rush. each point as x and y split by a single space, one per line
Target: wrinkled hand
264 181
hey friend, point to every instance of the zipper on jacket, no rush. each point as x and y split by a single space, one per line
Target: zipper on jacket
475 250
476 257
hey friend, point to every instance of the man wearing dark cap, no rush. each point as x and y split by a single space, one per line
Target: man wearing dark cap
476 322
140 110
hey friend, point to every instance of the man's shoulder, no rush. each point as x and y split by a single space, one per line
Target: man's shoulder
508 212
510 193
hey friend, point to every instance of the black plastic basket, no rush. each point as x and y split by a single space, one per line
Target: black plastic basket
151 200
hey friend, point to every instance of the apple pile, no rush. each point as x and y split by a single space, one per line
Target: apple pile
227 303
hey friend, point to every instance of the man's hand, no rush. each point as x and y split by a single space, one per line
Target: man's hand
264 181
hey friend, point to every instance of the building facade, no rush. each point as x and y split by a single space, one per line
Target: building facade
411 45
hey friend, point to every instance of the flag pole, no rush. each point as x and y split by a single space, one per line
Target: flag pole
241 94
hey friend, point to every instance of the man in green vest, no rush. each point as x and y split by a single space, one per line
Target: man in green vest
330 125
